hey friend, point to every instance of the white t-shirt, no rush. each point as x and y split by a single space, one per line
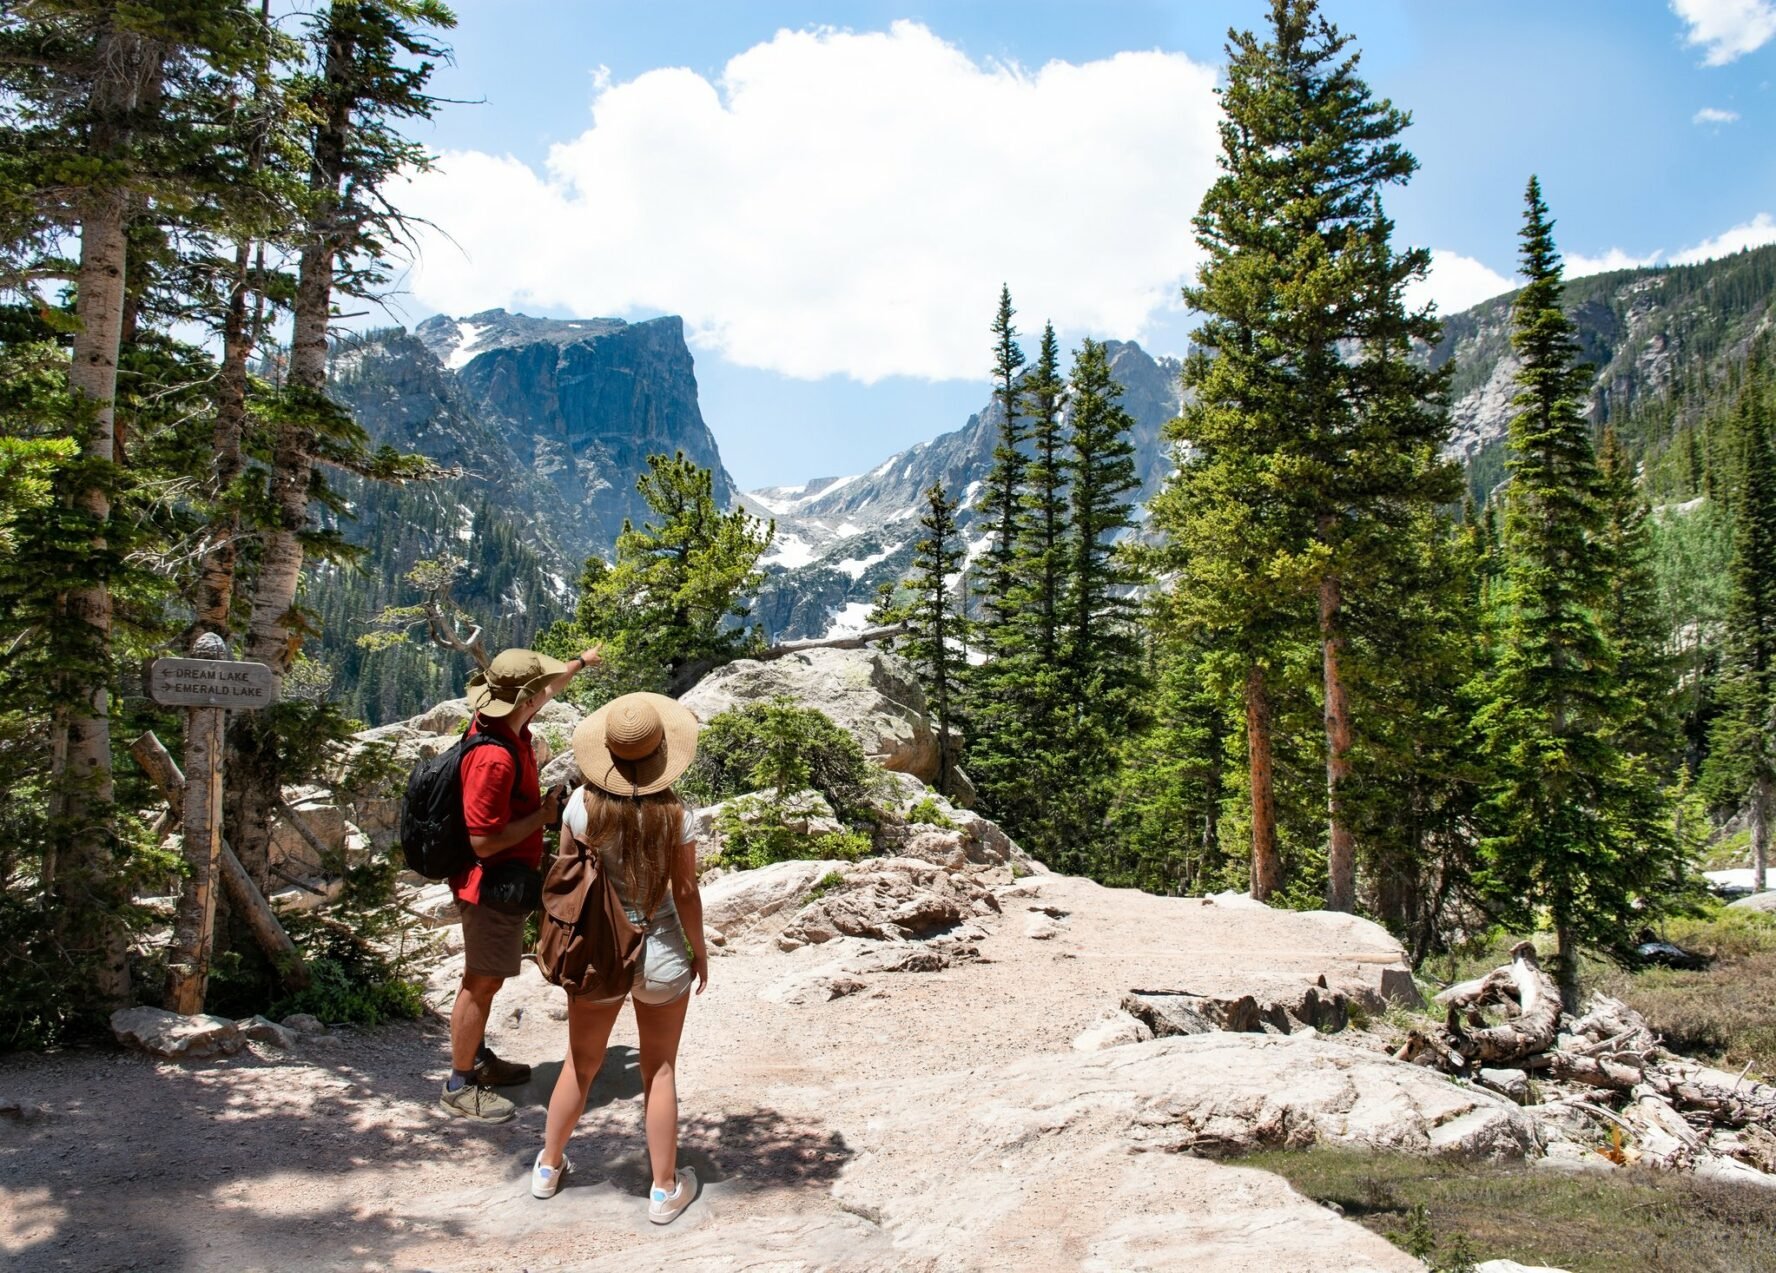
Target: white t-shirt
573 817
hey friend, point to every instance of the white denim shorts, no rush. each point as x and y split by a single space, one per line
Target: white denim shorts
663 970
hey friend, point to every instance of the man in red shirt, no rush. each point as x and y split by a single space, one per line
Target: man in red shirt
505 813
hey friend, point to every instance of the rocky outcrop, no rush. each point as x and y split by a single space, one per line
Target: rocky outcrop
869 693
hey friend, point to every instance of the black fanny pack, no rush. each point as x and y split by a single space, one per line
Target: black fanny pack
511 888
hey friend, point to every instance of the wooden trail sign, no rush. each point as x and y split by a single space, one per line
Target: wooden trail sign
207 687
211 683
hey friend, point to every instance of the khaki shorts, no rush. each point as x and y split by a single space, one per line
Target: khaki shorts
493 941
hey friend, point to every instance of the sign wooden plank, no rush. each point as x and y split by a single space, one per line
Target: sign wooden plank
211 683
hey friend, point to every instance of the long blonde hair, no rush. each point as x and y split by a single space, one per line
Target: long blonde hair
644 831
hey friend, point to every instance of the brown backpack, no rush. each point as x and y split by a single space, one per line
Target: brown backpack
588 946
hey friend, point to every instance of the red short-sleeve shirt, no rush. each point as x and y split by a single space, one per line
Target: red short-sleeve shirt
490 801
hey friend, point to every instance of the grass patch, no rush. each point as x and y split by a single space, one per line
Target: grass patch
1586 1223
1722 1015
822 886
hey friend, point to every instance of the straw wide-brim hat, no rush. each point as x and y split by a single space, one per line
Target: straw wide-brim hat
636 745
511 680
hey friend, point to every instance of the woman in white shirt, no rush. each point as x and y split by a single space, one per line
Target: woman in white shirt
630 752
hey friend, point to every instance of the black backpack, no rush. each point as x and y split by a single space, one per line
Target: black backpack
434 837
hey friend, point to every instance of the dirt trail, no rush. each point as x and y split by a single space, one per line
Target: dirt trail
335 1156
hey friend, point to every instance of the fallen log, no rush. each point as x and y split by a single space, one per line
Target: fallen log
1521 985
163 771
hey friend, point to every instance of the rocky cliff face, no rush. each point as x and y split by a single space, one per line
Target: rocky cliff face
1641 331
837 538
582 404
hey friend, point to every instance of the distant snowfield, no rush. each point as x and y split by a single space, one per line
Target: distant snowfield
848 620
467 334
789 551
855 566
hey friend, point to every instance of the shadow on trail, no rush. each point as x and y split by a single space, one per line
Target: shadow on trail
619 1079
328 1158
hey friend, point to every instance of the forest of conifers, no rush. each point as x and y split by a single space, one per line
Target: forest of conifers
1325 664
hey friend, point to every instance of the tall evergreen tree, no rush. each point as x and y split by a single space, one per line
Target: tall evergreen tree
1014 753
1741 764
1005 481
372 61
1572 823
939 631
1100 657
1304 461
1633 620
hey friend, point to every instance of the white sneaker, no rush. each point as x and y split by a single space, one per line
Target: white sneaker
663 1207
545 1181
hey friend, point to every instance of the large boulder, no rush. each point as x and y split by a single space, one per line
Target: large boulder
1765 902
871 694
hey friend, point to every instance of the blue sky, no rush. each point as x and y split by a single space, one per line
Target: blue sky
831 193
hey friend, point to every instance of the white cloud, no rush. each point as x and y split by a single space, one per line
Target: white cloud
1727 29
1714 115
845 203
1578 264
1457 282
1754 233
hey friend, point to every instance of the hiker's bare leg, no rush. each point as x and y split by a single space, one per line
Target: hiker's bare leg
659 1028
588 1030
468 1018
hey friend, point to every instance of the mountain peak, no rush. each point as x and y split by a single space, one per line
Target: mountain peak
455 342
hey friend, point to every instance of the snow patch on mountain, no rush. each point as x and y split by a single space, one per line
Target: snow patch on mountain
468 335
848 620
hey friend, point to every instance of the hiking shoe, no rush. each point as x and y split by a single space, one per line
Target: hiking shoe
490 1071
545 1181
663 1207
471 1100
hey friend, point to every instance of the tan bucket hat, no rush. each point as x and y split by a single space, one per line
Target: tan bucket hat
512 679
636 745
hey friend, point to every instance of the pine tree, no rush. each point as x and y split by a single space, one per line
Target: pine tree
1015 756
1633 620
672 605
938 630
1573 825
1741 763
373 59
1099 656
1005 481
1303 461
999 752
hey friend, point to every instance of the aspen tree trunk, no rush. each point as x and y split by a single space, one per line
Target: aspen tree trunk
1763 805
1267 869
84 870
215 586
1341 855
240 332
274 632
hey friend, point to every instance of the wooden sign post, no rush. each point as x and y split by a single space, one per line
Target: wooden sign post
207 687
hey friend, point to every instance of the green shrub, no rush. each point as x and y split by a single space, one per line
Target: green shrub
787 747
754 834
363 953
927 813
